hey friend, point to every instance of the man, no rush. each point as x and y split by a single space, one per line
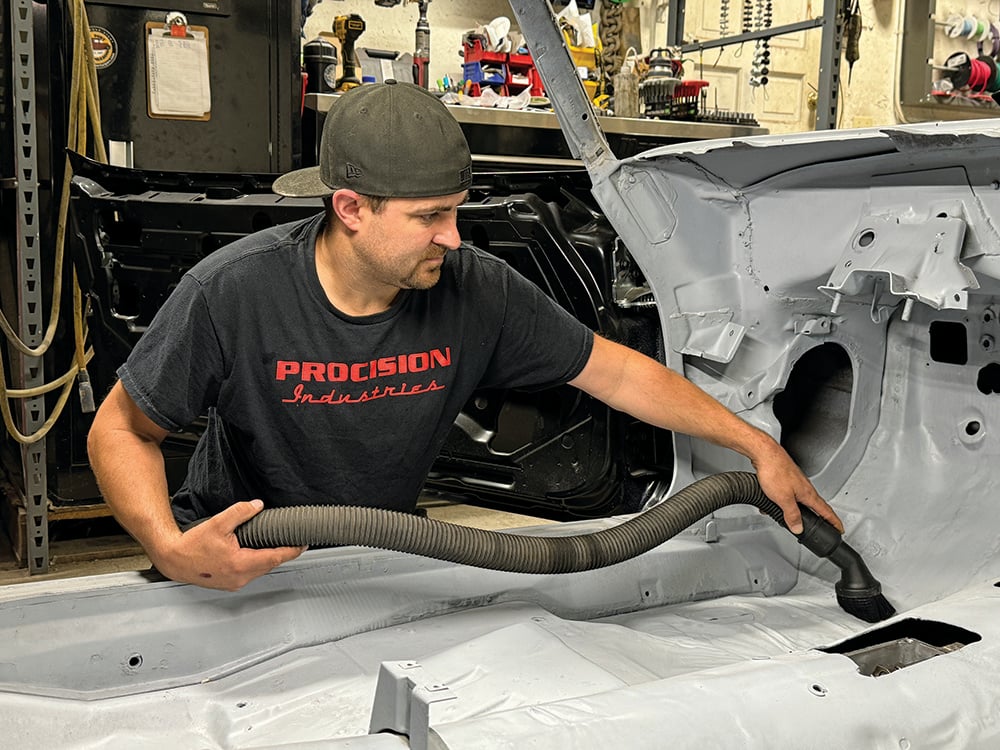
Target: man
332 355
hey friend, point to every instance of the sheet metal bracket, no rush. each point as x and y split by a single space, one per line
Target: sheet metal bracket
889 261
404 695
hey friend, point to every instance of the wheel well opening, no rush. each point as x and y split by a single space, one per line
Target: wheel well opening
815 406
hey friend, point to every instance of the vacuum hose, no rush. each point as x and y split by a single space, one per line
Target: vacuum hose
328 525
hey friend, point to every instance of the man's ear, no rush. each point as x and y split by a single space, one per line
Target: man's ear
347 206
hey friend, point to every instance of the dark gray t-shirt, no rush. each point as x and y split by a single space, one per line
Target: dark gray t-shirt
308 405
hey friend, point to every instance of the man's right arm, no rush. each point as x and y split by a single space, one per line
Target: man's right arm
124 449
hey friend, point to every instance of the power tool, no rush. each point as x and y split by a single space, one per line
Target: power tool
347 29
422 49
422 45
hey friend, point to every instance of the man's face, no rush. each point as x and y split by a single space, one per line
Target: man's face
404 244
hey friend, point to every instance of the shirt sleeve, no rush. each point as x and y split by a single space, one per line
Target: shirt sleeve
540 343
175 370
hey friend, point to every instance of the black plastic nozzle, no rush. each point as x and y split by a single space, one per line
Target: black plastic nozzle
858 592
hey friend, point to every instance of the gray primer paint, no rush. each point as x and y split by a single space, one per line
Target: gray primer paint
709 641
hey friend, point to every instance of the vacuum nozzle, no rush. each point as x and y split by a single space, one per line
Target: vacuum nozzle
858 592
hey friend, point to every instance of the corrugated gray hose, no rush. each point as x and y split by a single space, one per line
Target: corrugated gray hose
403 532
328 525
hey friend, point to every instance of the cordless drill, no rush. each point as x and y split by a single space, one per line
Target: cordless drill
347 29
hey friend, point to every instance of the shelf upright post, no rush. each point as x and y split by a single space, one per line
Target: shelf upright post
29 281
828 95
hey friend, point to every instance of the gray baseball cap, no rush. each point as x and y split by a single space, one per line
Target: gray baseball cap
387 139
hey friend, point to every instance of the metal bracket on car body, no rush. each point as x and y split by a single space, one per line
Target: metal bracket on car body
712 335
813 325
403 699
880 268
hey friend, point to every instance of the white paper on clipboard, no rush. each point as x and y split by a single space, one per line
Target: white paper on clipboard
178 75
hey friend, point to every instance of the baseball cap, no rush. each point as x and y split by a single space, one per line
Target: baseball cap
387 139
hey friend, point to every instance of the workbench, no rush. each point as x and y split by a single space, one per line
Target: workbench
534 137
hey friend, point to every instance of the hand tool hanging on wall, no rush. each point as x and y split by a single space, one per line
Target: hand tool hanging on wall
422 42
852 36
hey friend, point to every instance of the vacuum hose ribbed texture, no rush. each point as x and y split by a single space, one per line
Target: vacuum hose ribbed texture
372 527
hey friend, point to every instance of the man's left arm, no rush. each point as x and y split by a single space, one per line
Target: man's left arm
638 385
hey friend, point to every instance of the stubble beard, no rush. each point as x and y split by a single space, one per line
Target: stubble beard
417 276
425 278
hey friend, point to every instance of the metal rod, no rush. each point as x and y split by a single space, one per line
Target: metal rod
750 36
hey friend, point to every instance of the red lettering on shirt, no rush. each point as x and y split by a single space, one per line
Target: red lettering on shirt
313 371
359 372
286 368
335 398
408 363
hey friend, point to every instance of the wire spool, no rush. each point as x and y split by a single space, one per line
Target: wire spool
953 26
960 26
971 24
994 36
982 74
960 69
992 84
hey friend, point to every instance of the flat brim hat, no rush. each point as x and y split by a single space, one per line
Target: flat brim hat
390 139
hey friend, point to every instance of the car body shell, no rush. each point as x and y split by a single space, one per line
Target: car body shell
839 290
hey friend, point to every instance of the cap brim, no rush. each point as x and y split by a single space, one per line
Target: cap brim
302 183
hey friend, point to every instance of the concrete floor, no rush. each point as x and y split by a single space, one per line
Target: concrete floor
116 552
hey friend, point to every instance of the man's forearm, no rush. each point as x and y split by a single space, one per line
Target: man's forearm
124 447
130 473
692 411
643 388
631 382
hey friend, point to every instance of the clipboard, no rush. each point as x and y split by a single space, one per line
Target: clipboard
177 72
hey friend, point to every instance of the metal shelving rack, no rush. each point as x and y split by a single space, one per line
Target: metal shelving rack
832 21
29 282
